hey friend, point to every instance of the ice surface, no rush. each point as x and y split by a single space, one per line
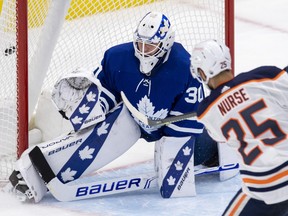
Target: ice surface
212 197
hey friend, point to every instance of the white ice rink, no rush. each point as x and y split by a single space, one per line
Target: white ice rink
261 38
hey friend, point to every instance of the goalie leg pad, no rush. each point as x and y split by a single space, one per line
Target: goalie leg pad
84 152
175 165
26 179
90 149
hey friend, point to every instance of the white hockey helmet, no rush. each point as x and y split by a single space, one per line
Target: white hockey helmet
211 57
153 38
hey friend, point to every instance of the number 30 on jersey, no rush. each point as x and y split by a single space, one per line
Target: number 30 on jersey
194 94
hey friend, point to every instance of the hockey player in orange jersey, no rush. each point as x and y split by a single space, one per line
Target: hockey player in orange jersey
249 112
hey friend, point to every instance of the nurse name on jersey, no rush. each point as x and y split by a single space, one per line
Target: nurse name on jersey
232 100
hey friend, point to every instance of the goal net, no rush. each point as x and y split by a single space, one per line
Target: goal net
53 37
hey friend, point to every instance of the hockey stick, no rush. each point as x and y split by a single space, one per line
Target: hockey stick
209 170
156 122
78 191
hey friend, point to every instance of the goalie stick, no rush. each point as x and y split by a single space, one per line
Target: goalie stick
209 170
154 122
77 190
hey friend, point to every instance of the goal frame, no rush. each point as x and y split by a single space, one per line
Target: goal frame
22 76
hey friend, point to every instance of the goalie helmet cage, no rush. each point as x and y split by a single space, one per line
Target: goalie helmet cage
51 37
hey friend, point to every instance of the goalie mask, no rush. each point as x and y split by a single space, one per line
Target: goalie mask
211 57
153 39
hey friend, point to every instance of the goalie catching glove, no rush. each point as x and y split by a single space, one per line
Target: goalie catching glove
76 96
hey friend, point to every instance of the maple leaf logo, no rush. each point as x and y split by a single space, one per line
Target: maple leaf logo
186 151
171 180
102 129
68 175
146 107
77 120
84 109
86 153
165 28
178 166
90 96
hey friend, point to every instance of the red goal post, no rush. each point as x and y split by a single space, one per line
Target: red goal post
48 38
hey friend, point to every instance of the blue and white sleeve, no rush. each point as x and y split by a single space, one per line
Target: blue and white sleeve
108 97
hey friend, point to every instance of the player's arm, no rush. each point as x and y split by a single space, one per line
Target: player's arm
109 97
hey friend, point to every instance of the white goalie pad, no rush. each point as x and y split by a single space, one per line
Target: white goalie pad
72 156
76 96
174 163
31 176
92 148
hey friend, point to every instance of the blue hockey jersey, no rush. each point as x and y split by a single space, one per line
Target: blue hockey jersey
169 90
